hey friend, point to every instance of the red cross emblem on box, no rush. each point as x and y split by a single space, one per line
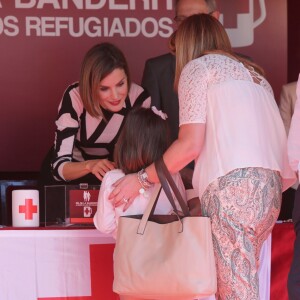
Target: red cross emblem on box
28 209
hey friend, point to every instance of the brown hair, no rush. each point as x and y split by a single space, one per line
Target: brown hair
202 34
99 61
143 139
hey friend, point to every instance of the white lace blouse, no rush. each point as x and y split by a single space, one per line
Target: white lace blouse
243 124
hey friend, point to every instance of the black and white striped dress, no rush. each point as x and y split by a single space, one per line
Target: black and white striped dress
80 137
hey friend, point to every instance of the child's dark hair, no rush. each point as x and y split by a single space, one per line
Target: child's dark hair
143 139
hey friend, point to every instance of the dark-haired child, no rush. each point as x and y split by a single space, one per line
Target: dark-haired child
143 139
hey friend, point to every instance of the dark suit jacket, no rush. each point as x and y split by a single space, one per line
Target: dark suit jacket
158 80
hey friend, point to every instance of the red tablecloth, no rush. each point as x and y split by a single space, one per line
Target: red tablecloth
283 237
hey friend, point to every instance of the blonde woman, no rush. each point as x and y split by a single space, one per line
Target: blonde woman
230 125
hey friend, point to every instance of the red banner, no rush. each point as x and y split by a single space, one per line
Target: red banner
43 44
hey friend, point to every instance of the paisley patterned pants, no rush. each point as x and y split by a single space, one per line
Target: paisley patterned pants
243 206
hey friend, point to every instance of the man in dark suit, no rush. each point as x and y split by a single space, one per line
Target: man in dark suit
159 72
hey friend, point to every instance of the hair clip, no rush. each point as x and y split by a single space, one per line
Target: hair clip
163 115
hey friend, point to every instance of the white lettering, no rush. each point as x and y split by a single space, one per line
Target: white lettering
132 27
105 30
41 3
60 23
33 24
149 22
80 29
113 5
78 4
169 4
48 28
90 5
92 27
132 4
11 23
94 4
9 26
166 25
92 30
116 28
146 4
28 4
153 5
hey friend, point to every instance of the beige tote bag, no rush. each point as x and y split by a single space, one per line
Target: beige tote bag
158 260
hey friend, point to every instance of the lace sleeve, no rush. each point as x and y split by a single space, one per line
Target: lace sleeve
192 93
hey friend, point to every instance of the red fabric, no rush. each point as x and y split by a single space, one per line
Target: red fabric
73 227
102 259
68 298
283 237
101 262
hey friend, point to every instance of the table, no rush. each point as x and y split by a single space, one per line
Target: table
70 264
56 264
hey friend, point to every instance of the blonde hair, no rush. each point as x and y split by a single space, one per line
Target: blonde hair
99 61
202 34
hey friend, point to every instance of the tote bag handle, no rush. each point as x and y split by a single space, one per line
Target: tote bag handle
164 177
167 182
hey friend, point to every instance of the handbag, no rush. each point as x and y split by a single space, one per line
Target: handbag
164 257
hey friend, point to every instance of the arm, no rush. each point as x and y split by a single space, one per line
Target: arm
181 152
67 123
192 101
105 217
285 108
98 167
185 149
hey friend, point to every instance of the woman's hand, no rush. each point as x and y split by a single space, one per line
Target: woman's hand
99 167
125 191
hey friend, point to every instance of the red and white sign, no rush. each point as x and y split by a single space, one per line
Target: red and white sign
43 44
83 205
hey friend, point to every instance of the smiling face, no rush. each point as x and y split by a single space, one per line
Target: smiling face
113 90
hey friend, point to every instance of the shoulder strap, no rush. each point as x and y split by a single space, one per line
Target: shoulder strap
167 182
149 209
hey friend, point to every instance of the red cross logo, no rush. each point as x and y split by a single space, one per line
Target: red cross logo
231 9
87 212
28 209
